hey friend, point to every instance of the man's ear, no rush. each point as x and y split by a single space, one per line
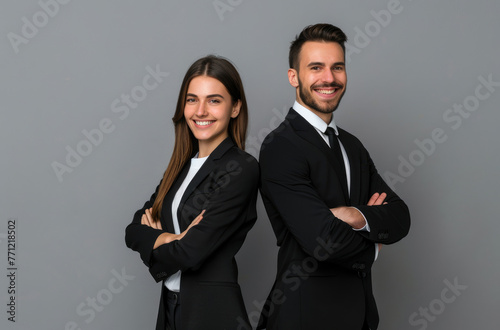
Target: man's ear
236 109
293 77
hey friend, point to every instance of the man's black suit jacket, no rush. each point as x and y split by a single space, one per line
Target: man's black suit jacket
226 187
323 279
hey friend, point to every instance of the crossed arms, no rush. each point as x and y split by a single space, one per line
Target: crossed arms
295 206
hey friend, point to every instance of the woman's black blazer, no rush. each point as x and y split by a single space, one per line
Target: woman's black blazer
226 187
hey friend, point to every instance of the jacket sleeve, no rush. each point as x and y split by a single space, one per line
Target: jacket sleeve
286 184
228 208
390 222
141 238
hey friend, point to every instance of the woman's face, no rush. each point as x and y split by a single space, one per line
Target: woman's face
207 112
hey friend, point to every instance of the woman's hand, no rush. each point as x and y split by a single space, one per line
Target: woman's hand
164 238
147 219
192 224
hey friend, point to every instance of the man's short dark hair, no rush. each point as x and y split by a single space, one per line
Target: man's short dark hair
317 32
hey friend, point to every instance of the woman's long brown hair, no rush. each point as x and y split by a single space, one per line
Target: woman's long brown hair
186 145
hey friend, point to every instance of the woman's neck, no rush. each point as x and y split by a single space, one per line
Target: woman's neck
205 148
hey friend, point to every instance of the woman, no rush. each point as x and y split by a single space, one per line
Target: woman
196 221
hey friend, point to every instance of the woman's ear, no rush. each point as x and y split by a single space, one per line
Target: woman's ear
236 109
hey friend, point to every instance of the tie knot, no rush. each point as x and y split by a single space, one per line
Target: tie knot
330 132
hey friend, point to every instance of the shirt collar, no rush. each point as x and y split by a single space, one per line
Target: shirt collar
314 119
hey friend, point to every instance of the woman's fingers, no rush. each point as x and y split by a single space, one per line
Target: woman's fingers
196 220
199 217
147 219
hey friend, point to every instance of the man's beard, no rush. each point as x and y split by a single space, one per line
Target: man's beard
307 98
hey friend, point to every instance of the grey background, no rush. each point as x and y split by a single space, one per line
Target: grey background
402 81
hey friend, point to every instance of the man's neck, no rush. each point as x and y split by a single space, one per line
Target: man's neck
326 117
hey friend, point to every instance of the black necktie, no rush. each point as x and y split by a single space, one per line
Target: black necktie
335 146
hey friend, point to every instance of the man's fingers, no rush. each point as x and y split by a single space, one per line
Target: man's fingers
373 199
381 199
377 199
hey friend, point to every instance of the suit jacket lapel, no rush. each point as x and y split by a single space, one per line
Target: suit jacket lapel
166 210
309 133
202 173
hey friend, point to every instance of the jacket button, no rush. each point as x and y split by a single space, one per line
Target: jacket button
361 274
383 235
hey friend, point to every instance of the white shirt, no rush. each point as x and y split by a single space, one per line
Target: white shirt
320 126
173 282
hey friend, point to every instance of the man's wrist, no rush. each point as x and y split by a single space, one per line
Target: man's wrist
362 224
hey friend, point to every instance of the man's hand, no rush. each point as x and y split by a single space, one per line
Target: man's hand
349 215
377 199
352 216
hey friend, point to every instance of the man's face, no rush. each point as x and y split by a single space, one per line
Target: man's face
321 78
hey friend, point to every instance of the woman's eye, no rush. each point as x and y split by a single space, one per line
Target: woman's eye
190 100
214 101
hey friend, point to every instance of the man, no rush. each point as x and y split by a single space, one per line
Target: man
329 208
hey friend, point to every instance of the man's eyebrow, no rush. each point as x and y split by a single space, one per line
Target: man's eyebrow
316 64
323 64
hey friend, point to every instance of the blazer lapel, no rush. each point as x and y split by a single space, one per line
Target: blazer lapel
203 172
310 134
166 210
